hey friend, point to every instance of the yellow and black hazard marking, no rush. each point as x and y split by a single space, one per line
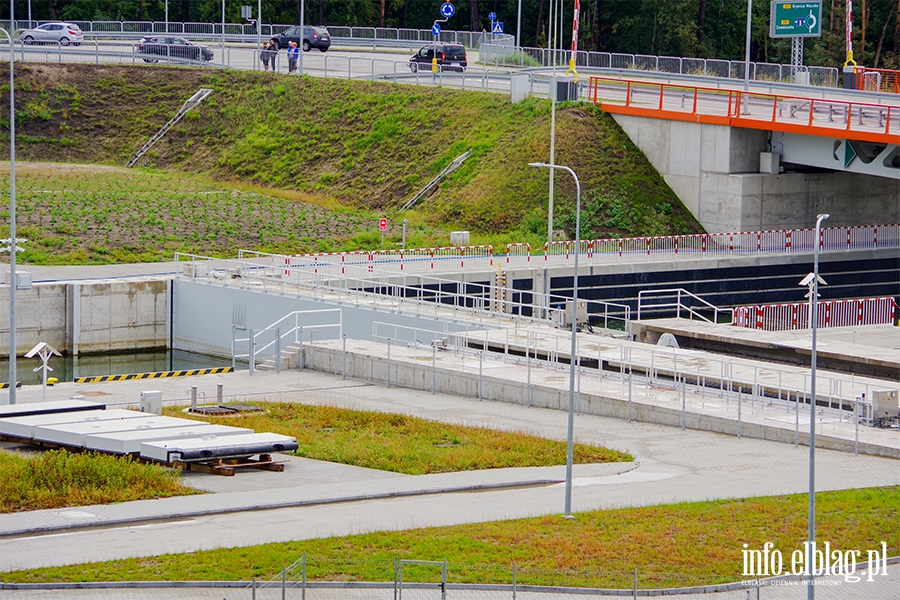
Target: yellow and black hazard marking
159 375
5 385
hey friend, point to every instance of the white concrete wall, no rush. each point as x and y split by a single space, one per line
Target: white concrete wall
714 170
89 317
203 321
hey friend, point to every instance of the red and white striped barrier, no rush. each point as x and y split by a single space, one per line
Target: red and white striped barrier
637 248
830 313
520 249
775 241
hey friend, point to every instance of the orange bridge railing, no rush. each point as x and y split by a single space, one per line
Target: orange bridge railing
863 121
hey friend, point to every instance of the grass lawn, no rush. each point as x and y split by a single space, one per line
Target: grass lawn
405 444
57 478
670 546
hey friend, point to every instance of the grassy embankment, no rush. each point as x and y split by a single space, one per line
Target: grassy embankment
284 164
670 546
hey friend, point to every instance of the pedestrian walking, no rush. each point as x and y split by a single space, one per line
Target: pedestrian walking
293 54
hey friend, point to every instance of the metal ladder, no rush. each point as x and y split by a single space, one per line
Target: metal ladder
189 104
454 164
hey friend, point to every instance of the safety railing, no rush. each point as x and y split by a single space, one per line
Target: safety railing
412 260
725 384
597 251
494 49
286 331
830 313
248 31
413 294
863 121
680 303
499 52
878 80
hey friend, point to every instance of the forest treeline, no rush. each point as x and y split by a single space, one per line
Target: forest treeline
698 28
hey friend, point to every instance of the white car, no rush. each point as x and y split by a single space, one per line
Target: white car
58 32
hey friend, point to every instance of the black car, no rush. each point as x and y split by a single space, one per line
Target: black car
450 57
172 47
313 37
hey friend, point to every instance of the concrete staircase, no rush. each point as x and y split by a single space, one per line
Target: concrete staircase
290 359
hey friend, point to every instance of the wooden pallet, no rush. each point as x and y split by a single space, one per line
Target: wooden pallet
227 466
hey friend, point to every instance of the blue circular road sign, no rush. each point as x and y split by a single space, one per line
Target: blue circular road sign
492 16
435 29
447 10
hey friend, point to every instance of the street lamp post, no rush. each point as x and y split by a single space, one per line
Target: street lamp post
813 282
12 213
747 46
572 355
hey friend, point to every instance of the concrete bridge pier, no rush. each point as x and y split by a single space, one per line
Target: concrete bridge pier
715 171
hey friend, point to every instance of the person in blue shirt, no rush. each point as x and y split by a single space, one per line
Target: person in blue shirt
293 54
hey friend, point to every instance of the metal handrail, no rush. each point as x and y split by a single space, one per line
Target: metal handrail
655 367
678 305
295 332
397 291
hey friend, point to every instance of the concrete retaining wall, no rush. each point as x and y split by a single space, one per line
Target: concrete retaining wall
418 375
90 317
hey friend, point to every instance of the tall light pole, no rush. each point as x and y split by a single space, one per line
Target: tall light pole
813 281
302 38
551 45
747 47
572 357
519 26
223 33
12 212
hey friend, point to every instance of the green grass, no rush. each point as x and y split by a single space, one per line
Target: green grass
72 214
362 148
57 478
672 545
405 444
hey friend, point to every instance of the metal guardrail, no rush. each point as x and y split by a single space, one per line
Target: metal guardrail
497 50
248 31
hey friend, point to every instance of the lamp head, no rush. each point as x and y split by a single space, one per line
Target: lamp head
809 278
538 164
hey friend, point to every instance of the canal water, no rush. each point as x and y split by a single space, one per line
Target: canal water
67 368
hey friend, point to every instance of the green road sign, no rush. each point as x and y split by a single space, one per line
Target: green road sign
795 19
